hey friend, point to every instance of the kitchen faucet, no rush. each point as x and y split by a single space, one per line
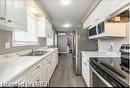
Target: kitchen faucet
35 48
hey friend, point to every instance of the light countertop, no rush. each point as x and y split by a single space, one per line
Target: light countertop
100 54
18 65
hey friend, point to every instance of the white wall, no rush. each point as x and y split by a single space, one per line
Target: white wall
104 44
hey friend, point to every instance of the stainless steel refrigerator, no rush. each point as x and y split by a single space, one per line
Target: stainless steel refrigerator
81 43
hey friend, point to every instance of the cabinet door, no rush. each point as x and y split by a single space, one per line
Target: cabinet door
48 29
50 69
86 69
115 5
44 75
36 80
86 72
2 11
20 14
54 63
9 13
99 13
91 18
41 27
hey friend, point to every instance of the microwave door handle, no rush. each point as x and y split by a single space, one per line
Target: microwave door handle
88 26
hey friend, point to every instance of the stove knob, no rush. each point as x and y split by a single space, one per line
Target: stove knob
127 47
122 47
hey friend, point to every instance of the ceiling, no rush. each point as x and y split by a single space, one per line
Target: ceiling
71 14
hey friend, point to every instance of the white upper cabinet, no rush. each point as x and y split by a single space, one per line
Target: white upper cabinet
103 11
2 11
115 5
86 24
41 27
20 13
44 28
91 20
49 29
14 13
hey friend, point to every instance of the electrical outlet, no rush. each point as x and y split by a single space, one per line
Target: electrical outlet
7 45
111 44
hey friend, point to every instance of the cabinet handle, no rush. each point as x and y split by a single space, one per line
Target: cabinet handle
38 80
9 21
2 18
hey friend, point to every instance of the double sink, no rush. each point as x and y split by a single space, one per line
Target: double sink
13 58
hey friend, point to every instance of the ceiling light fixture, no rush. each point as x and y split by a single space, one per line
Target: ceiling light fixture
65 2
67 25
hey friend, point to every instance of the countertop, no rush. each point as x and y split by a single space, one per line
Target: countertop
93 54
100 54
12 68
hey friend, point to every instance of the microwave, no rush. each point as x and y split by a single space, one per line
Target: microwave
98 29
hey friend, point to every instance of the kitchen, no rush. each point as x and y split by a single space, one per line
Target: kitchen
64 43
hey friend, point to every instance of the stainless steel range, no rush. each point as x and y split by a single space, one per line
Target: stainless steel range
125 57
112 72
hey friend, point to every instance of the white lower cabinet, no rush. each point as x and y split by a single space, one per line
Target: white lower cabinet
35 81
86 69
40 74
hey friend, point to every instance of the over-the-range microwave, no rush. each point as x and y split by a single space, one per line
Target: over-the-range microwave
114 26
108 29
98 29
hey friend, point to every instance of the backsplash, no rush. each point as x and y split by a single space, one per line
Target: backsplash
104 44
6 36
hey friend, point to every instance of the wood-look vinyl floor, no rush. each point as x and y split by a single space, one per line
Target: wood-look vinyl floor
64 75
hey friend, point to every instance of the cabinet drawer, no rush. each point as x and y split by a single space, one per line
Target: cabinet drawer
36 80
35 68
32 71
18 80
45 61
86 72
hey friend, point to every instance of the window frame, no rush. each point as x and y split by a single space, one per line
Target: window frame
26 43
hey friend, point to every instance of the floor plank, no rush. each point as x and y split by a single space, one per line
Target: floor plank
64 75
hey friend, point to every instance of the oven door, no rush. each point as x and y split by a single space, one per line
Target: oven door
97 80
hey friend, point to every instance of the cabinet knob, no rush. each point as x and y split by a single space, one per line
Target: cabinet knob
2 18
38 80
9 21
38 66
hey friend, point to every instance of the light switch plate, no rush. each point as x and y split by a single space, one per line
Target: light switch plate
7 45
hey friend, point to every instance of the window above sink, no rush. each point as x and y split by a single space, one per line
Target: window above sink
30 37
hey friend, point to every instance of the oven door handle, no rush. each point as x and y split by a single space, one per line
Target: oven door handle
108 84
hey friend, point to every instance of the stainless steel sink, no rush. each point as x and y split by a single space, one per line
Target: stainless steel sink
36 53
